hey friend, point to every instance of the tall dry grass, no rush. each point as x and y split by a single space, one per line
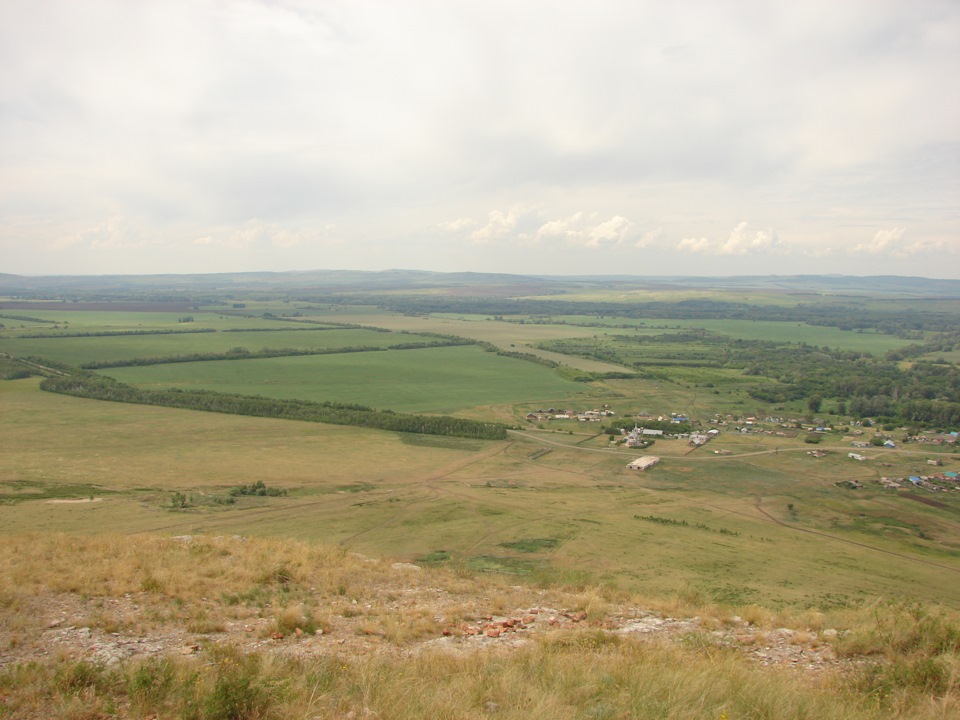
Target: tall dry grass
906 656
580 676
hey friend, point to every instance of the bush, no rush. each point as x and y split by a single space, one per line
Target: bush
259 489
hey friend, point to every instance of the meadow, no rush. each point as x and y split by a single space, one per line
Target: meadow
750 525
411 496
432 380
81 350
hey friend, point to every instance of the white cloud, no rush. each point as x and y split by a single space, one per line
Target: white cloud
586 232
695 245
499 225
256 233
649 238
111 234
884 241
894 243
222 111
457 225
741 241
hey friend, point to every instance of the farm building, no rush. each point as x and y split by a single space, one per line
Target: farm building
643 463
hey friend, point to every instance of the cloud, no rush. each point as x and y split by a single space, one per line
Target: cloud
622 117
884 241
894 243
578 230
741 241
457 225
526 225
695 245
649 238
110 234
255 233
499 225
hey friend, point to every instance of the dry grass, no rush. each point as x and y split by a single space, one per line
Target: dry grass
148 586
573 676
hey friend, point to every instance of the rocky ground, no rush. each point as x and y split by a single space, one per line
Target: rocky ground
60 625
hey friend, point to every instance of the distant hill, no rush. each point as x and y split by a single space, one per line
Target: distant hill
459 283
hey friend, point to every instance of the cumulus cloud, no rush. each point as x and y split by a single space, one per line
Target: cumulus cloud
695 245
894 243
649 238
110 234
741 241
527 226
509 224
580 230
884 241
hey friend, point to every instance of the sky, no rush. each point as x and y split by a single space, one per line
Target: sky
696 137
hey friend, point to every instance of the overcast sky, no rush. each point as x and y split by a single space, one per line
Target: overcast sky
712 137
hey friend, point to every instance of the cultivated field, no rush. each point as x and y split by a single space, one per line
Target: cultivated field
749 525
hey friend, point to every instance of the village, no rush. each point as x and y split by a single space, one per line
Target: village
594 415
938 482
648 428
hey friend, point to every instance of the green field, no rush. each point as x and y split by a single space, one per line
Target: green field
487 504
79 350
759 521
437 380
871 342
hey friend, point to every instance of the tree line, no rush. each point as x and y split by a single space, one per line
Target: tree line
98 387
113 333
239 353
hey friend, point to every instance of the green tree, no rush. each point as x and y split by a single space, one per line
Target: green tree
814 402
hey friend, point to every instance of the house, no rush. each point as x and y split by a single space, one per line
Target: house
889 444
643 463
935 463
855 456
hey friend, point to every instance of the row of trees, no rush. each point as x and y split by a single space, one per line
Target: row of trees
115 333
239 353
90 385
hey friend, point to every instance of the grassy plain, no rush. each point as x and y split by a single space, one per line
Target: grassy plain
78 350
823 336
486 503
750 533
105 320
438 380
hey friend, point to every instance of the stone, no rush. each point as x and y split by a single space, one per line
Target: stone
405 566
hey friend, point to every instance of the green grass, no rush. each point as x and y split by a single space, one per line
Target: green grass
486 504
100 320
79 350
438 380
